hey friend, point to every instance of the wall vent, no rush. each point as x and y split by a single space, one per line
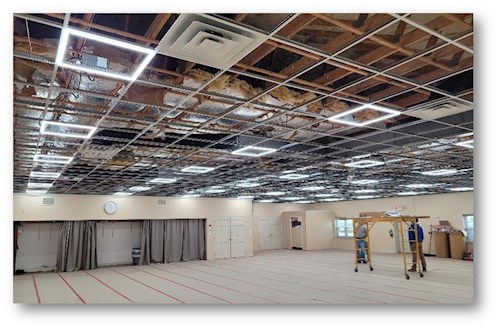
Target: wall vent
208 41
162 202
48 200
438 109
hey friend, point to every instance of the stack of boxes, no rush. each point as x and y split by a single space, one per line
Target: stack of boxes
448 241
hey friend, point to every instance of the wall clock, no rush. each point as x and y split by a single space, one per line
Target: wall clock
110 207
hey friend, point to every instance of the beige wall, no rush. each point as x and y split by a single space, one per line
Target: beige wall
319 230
450 206
77 207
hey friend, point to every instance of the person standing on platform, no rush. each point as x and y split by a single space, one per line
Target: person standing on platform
361 232
413 246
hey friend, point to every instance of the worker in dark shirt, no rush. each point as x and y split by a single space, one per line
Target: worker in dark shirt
413 246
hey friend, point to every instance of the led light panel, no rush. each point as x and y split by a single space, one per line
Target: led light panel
197 169
66 130
388 114
364 163
52 159
253 151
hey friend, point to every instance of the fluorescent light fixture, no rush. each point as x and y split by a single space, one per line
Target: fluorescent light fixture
39 185
215 191
248 184
440 172
313 188
253 151
52 159
388 114
139 188
293 176
197 169
63 43
190 195
122 193
364 163
266 201
365 181
409 193
275 193
245 197
288 172
67 130
420 185
303 202
362 156
331 199
466 144
36 191
364 191
462 189
49 175
163 180
365 197
291 198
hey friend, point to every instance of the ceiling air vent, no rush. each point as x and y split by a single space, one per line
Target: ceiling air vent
162 202
209 41
48 200
438 109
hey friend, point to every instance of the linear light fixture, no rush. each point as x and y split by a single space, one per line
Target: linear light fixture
248 184
324 195
139 188
163 180
462 189
52 159
197 169
365 181
246 197
409 193
388 114
440 172
364 191
420 185
63 43
253 151
215 191
293 176
45 129
291 198
313 188
331 199
365 197
364 163
36 185
36 191
122 193
274 193
48 175
466 144
190 196
266 201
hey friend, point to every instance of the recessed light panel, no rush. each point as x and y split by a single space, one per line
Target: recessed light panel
122 193
66 130
35 185
52 159
440 172
462 189
248 184
48 175
163 180
139 188
293 176
274 193
100 66
347 118
253 151
366 181
364 163
36 191
197 169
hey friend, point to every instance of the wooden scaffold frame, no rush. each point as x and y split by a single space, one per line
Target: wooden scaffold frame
400 221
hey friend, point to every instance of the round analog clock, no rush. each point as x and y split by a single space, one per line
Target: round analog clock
110 207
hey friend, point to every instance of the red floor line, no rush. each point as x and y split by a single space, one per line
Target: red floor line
208 294
36 289
133 279
107 286
220 286
302 277
71 288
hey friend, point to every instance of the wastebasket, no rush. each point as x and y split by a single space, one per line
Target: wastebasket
136 254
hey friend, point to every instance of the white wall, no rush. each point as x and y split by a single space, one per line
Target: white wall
78 207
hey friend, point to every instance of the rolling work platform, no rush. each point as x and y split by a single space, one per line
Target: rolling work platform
400 222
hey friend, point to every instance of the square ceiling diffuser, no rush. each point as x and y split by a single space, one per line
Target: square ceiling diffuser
347 117
98 65
253 151
208 40
66 130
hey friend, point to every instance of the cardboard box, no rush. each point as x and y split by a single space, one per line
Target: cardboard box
457 244
442 244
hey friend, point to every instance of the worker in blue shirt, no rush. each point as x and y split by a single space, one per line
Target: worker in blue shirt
413 246
361 233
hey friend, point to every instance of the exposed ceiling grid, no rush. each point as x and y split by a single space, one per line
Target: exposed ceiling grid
279 98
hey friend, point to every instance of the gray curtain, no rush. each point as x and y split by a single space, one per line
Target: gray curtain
173 240
77 246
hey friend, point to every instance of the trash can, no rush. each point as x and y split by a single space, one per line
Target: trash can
136 254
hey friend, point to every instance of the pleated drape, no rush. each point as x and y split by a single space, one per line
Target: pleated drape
175 240
77 249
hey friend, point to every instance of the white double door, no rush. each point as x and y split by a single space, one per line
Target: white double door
270 233
230 237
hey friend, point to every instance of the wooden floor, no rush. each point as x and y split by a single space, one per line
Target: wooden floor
269 277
